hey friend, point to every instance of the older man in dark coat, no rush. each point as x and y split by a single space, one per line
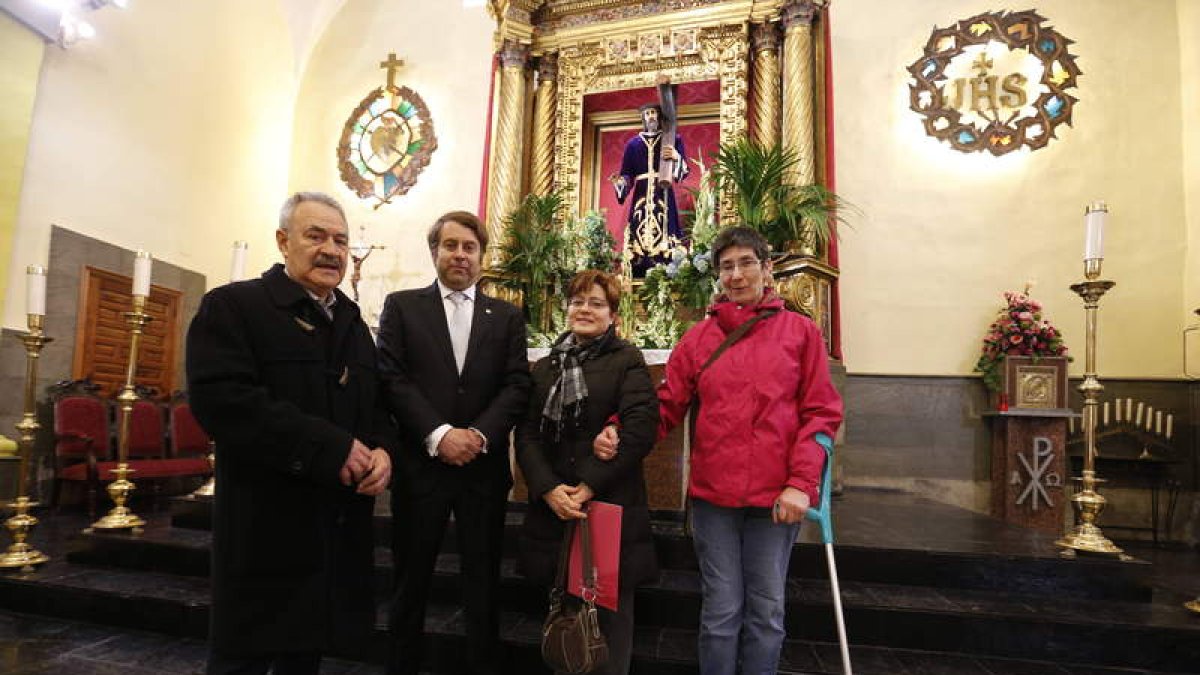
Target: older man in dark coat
282 374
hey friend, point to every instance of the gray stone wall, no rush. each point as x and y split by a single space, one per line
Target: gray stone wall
70 253
927 435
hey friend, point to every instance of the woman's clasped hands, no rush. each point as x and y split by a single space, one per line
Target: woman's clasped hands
567 501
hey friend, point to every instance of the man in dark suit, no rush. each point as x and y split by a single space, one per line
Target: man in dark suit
282 374
457 376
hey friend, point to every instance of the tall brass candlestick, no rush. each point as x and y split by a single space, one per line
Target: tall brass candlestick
121 517
1086 536
21 554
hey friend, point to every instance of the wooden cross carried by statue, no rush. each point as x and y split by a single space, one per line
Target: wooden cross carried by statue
666 100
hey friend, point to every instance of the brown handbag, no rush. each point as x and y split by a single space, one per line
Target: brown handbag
571 639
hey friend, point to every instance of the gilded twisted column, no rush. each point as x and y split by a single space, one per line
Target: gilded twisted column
798 94
765 90
541 175
505 185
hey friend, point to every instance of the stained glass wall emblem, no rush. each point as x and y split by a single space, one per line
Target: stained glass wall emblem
387 141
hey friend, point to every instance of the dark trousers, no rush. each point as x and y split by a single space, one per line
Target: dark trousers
308 663
420 524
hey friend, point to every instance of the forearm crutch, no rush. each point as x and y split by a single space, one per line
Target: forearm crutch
823 516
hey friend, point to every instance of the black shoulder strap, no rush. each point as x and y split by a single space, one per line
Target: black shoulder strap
735 335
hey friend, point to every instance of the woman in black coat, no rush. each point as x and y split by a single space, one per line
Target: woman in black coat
589 376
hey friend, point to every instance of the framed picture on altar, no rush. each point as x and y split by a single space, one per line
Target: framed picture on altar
611 119
1035 383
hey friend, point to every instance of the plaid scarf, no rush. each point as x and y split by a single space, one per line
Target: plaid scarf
569 392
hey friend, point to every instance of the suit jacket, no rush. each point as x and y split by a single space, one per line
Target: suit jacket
283 391
424 389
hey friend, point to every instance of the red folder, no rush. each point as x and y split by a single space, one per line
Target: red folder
604 525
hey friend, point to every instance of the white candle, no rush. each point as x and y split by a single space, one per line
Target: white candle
1170 423
1149 417
35 288
1070 425
1094 218
237 270
1128 410
1106 413
1158 422
141 273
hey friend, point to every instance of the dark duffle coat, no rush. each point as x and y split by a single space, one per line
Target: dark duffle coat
282 391
618 383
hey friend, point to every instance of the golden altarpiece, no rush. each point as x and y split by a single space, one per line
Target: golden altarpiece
766 56
764 61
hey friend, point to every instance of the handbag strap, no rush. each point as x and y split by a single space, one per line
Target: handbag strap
564 559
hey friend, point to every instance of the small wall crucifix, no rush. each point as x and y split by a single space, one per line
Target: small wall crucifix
359 252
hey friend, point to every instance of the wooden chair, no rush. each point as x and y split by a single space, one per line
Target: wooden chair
82 438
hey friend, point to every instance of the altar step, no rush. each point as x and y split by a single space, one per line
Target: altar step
177 605
1049 626
882 537
957 602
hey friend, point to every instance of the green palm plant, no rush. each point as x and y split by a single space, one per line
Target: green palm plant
533 255
759 179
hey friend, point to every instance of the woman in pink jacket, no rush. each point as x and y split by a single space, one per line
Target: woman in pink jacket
755 466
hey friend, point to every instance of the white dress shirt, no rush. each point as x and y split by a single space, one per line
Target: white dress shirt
435 436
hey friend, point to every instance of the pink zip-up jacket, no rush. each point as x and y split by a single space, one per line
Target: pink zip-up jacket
761 403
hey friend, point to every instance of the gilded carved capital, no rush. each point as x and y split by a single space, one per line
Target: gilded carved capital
548 67
799 13
513 54
764 37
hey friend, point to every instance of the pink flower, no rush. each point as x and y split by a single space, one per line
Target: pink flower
1015 339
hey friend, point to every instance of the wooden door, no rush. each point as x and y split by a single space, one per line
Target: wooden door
102 334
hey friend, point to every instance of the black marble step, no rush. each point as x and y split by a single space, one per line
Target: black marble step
165 605
1131 634
1044 626
893 538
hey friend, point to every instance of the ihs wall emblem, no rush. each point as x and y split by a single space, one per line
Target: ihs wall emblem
387 141
996 82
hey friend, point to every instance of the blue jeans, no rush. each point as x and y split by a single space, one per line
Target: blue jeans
743 573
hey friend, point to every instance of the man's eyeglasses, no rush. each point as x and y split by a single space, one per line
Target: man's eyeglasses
745 265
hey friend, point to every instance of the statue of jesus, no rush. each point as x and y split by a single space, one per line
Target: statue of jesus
653 228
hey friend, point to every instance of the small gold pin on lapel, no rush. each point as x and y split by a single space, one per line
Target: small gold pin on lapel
345 376
308 327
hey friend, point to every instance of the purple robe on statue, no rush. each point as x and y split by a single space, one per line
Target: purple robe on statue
653 229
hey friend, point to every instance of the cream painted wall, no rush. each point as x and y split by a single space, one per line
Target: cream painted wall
447 53
944 234
171 132
20 63
1189 65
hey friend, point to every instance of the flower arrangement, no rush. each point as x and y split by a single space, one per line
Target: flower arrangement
1020 330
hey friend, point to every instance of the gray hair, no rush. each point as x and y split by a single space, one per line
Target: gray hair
290 204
